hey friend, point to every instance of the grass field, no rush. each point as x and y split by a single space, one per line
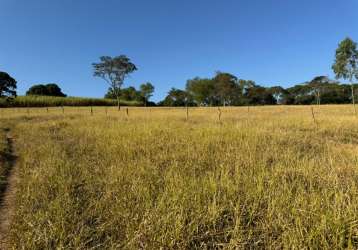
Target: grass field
260 177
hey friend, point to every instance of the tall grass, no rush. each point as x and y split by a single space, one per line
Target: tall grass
51 101
270 179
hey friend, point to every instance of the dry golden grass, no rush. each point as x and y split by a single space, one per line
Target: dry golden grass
267 177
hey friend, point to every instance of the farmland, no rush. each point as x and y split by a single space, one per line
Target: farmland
53 101
146 178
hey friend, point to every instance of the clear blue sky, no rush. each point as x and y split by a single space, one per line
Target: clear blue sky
270 41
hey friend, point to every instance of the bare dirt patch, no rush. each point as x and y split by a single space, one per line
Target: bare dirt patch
7 189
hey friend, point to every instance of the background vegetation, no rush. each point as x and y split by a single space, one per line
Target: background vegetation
226 89
51 101
50 89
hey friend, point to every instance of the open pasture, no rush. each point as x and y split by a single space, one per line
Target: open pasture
152 178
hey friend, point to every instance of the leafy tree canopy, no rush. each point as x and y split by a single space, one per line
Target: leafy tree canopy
346 62
50 89
345 65
126 94
114 71
177 97
7 85
146 90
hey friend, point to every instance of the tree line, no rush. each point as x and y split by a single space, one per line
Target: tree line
221 90
226 89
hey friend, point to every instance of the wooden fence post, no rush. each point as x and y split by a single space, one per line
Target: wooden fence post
313 116
219 114
187 113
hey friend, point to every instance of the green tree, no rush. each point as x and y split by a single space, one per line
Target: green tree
336 93
202 90
345 65
299 94
278 93
50 89
131 94
258 95
318 85
146 90
177 97
38 89
126 94
114 71
110 94
7 85
244 86
226 88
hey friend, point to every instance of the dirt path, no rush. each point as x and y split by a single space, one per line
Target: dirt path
7 196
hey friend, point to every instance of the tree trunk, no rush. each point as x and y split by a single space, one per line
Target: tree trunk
353 99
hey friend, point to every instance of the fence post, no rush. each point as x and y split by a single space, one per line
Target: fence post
91 110
219 114
313 116
187 113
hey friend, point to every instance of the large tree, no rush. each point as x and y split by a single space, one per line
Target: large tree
226 88
146 90
299 94
177 97
50 89
278 94
202 90
7 85
258 95
131 94
318 85
244 87
114 71
345 65
126 94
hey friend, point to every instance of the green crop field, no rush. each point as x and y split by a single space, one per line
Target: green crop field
164 178
53 101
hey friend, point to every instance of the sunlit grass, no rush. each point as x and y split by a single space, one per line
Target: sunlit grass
264 177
